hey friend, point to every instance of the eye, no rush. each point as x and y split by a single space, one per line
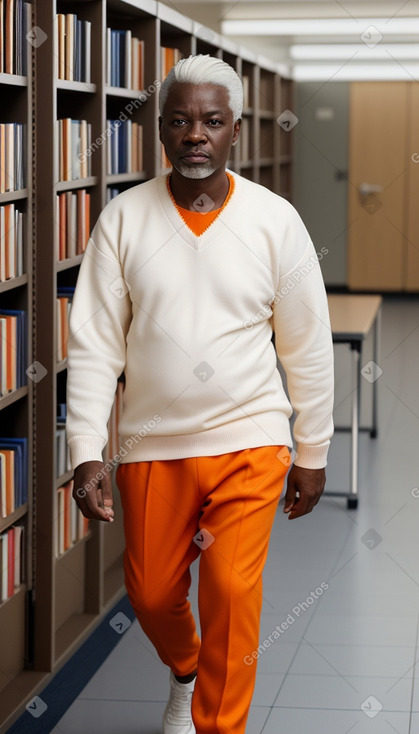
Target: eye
214 123
178 123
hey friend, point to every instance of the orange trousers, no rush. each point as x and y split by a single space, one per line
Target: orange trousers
221 508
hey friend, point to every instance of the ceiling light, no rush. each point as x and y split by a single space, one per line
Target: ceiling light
355 72
319 27
362 52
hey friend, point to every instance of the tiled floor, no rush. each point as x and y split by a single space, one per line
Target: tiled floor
346 662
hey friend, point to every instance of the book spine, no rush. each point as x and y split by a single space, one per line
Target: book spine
2 36
10 156
20 240
127 60
2 158
10 562
108 56
61 45
87 36
69 46
4 565
9 44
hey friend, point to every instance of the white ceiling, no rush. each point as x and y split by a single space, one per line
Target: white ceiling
370 44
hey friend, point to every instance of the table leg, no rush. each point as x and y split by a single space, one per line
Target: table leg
353 492
377 334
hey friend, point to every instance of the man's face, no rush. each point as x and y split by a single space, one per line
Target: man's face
197 128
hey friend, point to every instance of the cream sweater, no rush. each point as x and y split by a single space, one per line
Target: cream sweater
189 320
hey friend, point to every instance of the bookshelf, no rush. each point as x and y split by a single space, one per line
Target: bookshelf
16 405
285 148
63 596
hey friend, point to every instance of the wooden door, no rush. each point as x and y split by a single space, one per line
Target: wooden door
377 186
412 158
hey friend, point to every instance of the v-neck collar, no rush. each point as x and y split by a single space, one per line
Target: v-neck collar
197 242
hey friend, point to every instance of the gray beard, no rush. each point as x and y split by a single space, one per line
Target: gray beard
194 171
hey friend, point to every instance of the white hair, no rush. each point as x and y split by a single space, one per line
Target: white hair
205 69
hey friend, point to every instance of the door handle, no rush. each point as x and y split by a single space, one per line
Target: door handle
365 189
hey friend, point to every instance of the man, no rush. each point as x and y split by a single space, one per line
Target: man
181 281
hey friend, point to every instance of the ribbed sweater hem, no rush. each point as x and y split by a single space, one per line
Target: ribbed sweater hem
267 429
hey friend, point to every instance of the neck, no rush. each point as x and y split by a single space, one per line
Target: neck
186 190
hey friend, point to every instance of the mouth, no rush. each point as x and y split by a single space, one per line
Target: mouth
195 157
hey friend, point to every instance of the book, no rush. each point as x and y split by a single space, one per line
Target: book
60 520
4 566
15 22
18 575
108 57
63 304
62 223
19 243
2 158
75 149
65 140
70 133
14 349
77 51
10 562
83 148
125 147
3 244
168 58
9 37
135 50
111 192
3 357
10 254
60 25
124 59
126 65
70 20
139 136
27 25
14 488
7 482
71 206
19 173
83 220
61 452
2 36
71 525
86 56
17 56
73 223
10 156
140 84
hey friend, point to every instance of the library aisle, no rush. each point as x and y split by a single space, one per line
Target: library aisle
79 124
341 586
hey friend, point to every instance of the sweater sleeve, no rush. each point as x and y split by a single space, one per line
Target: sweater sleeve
98 324
304 346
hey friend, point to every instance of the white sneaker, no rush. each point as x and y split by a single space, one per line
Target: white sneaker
177 717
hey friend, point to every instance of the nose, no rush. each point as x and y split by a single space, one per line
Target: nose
195 133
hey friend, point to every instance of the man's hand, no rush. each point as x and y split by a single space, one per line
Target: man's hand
309 485
93 491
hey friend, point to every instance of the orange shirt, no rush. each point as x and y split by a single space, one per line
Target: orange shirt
198 221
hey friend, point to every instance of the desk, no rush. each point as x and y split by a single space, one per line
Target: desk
352 317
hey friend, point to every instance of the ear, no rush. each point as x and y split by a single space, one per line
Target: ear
236 130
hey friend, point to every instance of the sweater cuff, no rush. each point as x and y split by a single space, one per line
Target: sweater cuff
85 448
312 457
